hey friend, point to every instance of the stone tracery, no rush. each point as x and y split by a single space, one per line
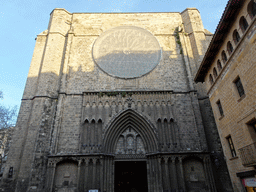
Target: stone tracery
130 142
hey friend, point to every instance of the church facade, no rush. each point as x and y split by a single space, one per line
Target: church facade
110 105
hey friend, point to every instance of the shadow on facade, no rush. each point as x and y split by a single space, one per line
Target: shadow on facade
73 130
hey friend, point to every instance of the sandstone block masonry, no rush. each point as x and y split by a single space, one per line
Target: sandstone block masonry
228 69
78 120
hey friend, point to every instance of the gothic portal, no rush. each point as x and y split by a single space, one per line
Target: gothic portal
110 105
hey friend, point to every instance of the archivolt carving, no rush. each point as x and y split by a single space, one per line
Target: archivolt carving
130 142
118 134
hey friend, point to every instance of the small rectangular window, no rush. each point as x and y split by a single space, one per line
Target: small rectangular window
239 86
220 108
252 129
231 146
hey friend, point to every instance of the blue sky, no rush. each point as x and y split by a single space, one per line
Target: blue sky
22 20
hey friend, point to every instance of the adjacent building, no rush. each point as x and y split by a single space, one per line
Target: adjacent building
110 105
229 72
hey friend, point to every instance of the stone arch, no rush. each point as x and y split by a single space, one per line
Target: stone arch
194 173
215 74
219 66
211 79
66 175
230 48
224 56
124 120
251 8
243 24
236 37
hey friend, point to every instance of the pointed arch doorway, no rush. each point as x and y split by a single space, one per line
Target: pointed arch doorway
130 137
130 163
131 176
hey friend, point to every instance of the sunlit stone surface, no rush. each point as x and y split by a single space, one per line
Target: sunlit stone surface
127 52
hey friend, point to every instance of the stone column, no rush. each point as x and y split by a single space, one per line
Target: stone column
171 130
166 132
89 136
206 172
154 176
100 110
176 134
95 132
105 174
149 175
160 174
94 160
162 135
86 136
92 128
78 175
151 178
167 173
174 174
101 174
55 134
210 174
108 175
86 174
107 111
99 135
112 175
50 175
183 186
156 173
160 140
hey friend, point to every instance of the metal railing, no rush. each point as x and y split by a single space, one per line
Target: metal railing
248 154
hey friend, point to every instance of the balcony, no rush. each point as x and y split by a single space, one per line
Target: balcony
248 155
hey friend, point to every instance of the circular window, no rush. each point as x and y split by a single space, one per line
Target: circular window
126 52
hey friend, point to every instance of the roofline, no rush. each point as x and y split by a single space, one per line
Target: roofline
232 7
118 12
63 9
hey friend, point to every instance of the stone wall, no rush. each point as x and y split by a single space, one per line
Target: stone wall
73 113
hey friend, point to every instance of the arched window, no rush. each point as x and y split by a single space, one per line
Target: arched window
224 57
252 8
215 74
211 79
230 48
243 24
236 36
219 65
